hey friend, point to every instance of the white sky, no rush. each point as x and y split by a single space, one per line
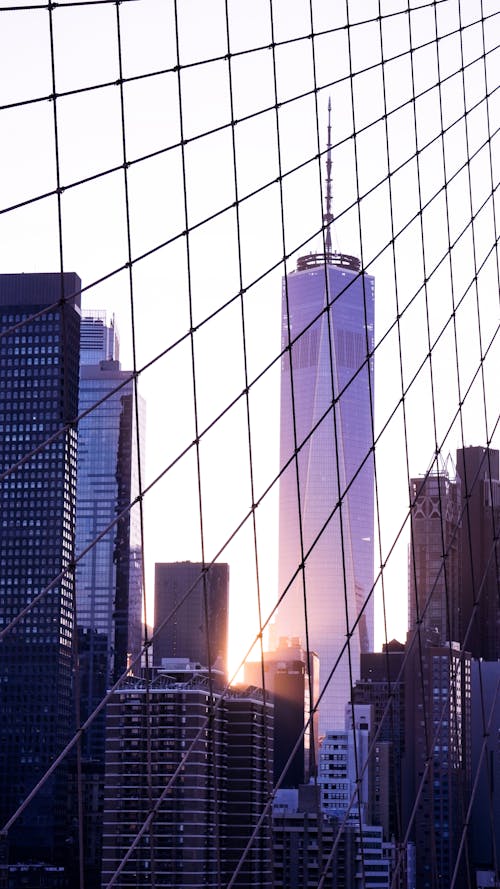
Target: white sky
95 238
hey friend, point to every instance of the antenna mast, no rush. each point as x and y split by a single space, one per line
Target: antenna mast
328 216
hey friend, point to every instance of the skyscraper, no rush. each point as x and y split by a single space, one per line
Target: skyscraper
479 617
191 609
38 401
436 771
292 680
435 556
109 576
98 338
327 493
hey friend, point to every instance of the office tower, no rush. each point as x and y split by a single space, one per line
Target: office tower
109 576
435 556
210 807
38 402
381 684
98 338
292 679
109 588
478 469
191 607
485 720
436 767
327 493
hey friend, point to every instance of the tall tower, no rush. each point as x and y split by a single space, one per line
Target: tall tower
109 576
478 469
435 556
327 492
39 352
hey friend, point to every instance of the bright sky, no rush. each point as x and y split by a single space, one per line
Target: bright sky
94 235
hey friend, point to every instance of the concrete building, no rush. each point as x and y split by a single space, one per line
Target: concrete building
203 764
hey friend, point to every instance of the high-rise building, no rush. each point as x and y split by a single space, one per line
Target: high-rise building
381 685
435 553
109 588
485 741
39 359
292 680
191 612
437 761
327 491
109 576
479 606
98 338
455 554
203 763
326 508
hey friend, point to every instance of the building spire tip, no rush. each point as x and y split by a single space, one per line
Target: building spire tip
328 215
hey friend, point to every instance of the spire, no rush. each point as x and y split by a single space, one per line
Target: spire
328 216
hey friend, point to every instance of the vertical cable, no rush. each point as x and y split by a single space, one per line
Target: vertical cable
136 421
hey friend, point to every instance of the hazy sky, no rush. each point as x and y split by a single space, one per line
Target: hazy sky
234 250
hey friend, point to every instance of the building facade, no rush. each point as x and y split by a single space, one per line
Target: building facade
109 575
204 764
437 761
39 360
292 678
435 556
191 612
327 491
109 588
381 685
479 614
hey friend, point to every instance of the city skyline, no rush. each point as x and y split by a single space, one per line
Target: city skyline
171 155
95 239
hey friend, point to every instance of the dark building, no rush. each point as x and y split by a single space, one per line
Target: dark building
204 763
485 820
435 556
292 680
479 624
39 358
309 845
436 765
381 685
191 608
455 556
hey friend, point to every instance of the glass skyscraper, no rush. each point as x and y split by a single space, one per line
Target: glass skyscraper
327 494
109 576
38 402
